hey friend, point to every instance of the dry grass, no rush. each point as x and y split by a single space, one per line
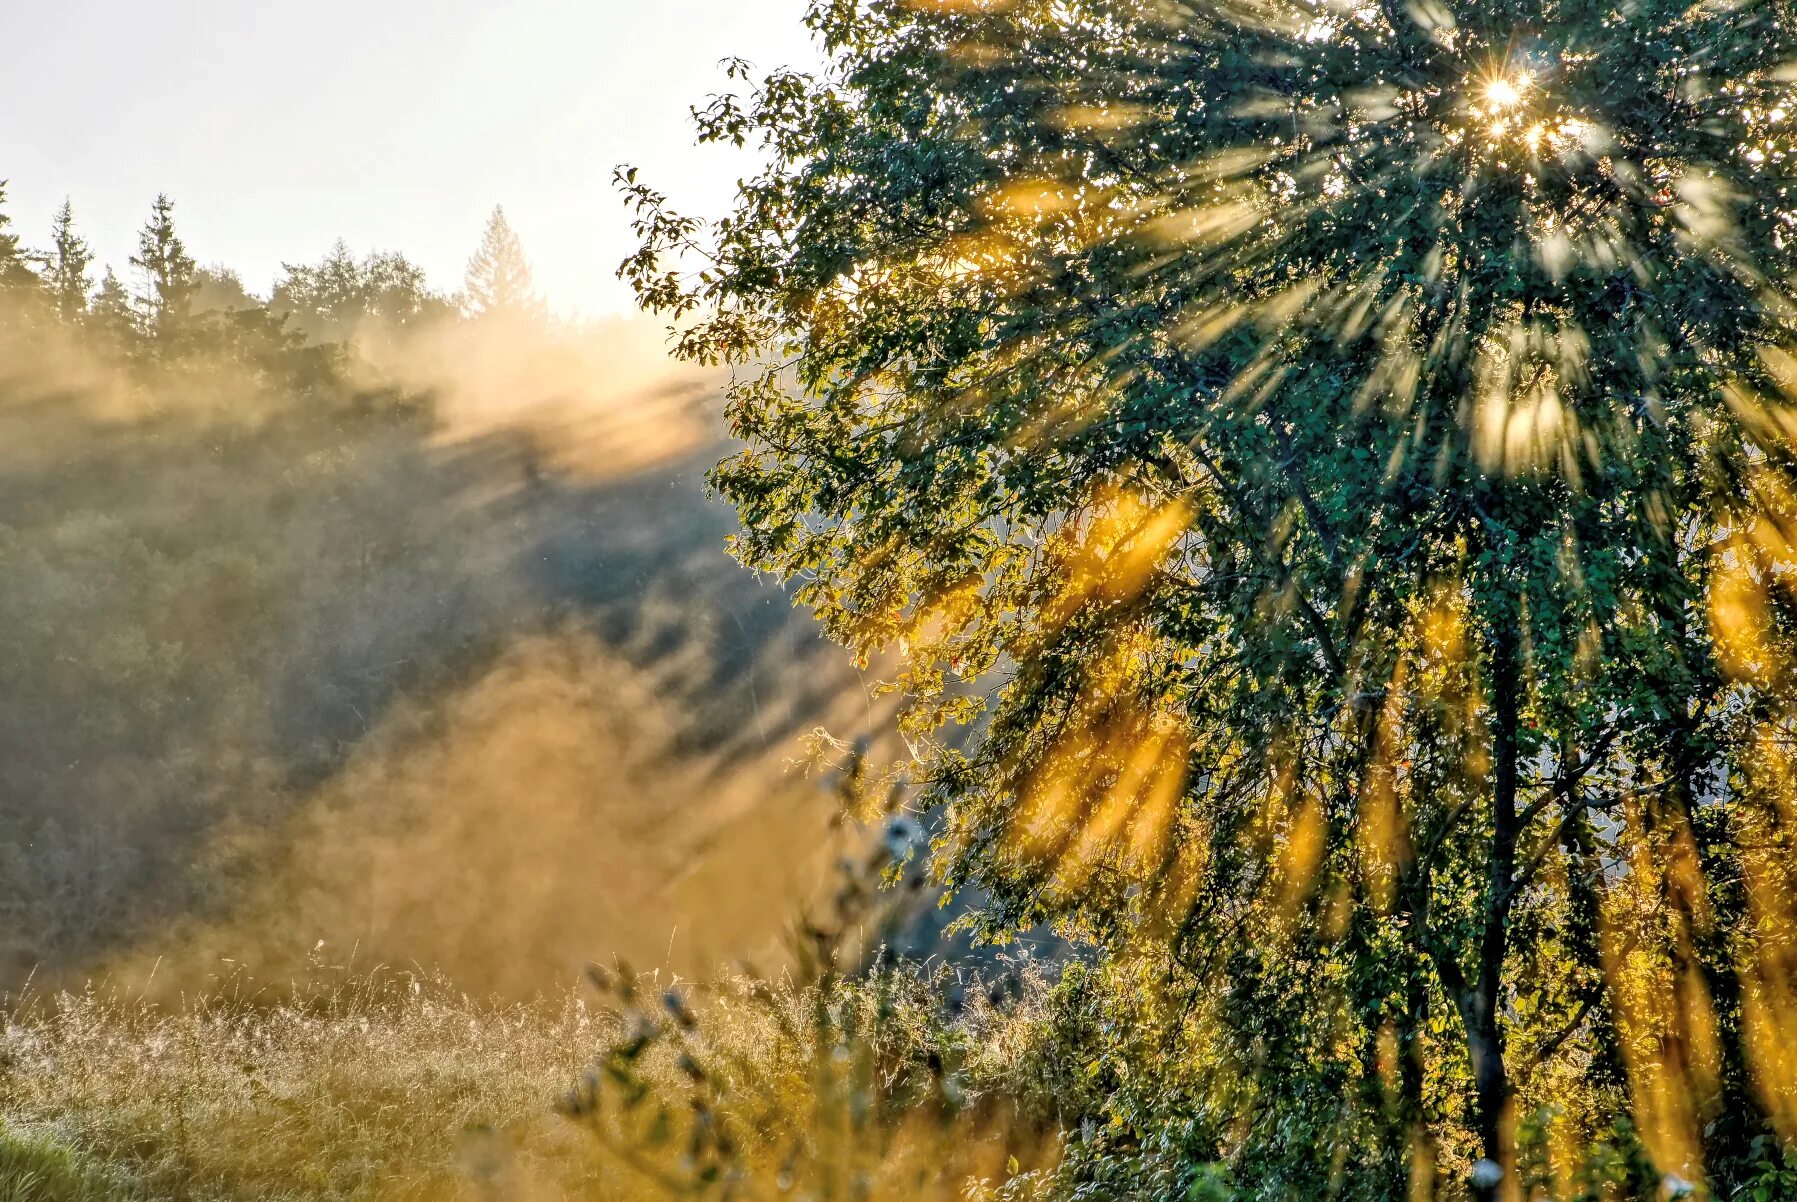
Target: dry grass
393 1088
396 1088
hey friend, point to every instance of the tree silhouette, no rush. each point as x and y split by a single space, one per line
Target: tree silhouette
67 263
168 271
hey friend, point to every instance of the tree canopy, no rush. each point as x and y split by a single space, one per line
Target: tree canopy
1327 474
341 296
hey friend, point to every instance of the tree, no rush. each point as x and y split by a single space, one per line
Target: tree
498 281
68 263
15 265
219 289
395 291
340 297
1352 449
111 310
169 273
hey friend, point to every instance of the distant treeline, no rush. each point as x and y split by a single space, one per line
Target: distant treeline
173 301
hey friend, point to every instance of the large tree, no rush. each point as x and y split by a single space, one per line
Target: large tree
1336 461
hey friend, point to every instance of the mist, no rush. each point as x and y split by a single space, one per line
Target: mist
419 649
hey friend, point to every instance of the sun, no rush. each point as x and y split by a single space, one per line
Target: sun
1505 93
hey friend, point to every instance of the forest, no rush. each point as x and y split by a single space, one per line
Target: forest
1186 601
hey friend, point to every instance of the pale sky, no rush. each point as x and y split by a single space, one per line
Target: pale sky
394 124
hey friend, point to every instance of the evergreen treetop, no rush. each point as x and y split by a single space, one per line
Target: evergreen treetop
67 265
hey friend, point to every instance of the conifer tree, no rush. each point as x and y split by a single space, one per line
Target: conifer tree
167 269
111 311
67 265
15 263
498 280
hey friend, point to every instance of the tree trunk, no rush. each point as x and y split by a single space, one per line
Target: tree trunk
1485 1033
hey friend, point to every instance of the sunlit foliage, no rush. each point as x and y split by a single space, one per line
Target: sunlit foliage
1336 461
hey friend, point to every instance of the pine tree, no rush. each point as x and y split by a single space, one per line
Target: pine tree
15 263
111 311
498 281
168 270
68 263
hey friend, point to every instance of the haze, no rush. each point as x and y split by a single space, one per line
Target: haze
396 124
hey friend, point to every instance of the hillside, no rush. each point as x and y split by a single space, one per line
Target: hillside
445 664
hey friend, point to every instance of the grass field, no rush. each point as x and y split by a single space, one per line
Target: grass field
400 1088
389 1089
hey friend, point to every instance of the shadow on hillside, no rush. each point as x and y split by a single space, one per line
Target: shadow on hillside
215 629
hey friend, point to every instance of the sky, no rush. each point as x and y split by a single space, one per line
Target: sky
392 124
